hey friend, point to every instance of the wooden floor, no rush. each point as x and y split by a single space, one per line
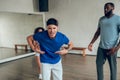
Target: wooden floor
75 67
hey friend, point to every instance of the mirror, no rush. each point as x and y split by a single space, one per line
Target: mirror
14 28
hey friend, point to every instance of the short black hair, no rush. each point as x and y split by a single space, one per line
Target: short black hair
52 21
37 29
110 3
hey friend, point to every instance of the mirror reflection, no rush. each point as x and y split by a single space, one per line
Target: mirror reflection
14 28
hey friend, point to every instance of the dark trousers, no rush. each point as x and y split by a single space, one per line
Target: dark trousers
101 59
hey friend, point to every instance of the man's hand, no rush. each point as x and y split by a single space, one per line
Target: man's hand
112 51
90 47
37 48
62 51
39 51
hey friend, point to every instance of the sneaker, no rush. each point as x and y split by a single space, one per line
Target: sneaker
40 76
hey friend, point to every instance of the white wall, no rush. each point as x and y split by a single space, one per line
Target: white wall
15 27
78 18
22 6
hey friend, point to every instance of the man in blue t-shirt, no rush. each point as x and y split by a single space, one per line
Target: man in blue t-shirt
50 42
108 30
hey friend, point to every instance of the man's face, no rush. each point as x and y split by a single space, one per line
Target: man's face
108 10
52 30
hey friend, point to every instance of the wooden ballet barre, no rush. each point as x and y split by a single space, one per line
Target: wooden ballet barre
81 49
21 45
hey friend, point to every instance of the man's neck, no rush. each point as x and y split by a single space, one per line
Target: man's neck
110 16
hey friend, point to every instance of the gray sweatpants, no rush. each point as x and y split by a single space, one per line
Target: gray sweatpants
100 60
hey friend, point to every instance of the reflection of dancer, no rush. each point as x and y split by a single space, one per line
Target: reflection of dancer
50 42
32 45
108 28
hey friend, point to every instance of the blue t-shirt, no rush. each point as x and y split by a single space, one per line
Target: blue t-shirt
109 31
50 46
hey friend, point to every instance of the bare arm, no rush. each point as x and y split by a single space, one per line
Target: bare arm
70 46
30 41
96 35
34 45
65 50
